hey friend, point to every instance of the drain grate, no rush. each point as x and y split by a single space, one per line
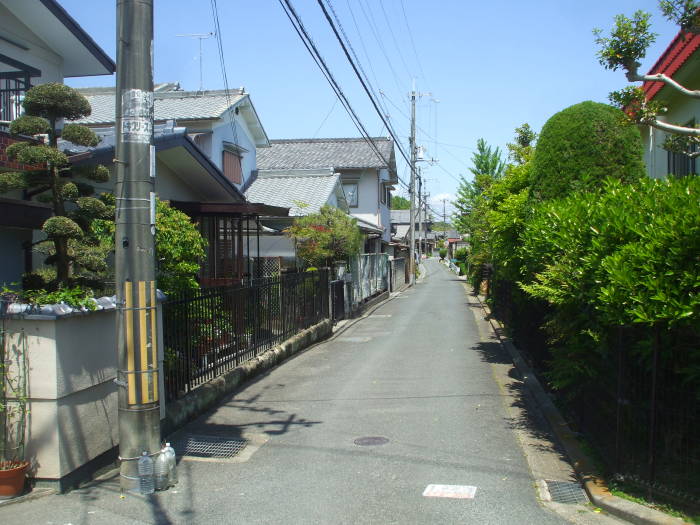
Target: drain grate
566 492
209 446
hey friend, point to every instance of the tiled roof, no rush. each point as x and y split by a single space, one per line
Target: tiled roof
324 153
302 194
678 52
176 105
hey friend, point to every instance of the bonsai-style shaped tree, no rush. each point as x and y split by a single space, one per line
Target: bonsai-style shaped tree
53 179
626 45
325 237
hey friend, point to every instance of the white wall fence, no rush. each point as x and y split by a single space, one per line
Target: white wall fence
370 276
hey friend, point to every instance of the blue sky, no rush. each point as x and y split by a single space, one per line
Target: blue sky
488 66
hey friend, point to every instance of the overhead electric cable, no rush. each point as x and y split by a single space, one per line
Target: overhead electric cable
320 62
217 32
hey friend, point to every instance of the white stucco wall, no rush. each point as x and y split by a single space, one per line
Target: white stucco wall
681 110
222 133
369 206
38 55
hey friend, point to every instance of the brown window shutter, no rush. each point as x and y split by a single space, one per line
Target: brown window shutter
232 167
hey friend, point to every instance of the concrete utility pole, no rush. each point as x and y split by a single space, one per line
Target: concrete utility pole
421 203
412 188
444 219
137 377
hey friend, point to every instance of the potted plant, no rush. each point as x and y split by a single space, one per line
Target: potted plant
13 412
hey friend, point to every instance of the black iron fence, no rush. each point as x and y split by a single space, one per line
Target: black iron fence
209 332
338 299
641 412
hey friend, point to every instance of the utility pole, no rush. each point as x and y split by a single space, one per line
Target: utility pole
421 203
137 375
412 190
444 219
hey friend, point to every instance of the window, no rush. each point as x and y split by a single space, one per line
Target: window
382 193
232 167
351 194
679 164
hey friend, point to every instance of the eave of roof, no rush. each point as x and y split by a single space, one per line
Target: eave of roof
162 142
677 53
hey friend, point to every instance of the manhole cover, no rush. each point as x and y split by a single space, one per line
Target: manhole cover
370 441
566 492
209 446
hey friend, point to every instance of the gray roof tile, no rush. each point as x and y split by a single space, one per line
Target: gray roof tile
302 194
177 105
339 153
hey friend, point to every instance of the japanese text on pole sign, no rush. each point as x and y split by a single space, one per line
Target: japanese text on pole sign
137 116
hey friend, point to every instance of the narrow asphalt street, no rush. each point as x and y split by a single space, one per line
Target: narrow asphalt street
416 372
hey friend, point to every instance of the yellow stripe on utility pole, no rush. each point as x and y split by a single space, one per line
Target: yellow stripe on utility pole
130 358
143 348
154 339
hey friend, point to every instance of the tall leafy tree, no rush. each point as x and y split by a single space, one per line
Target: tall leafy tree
325 237
487 165
626 45
400 203
52 178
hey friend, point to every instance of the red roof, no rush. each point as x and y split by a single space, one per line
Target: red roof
680 49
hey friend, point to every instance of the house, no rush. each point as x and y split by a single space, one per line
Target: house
40 43
400 227
367 176
681 62
304 192
223 128
224 125
191 182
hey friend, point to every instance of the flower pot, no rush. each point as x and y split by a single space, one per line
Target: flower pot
12 478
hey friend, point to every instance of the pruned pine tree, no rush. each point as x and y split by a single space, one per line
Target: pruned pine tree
626 46
52 178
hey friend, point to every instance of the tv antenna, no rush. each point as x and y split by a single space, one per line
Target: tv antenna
200 36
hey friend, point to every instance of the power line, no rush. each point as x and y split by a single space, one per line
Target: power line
393 37
359 76
335 103
320 62
413 45
217 32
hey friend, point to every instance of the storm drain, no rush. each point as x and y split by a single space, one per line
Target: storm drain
566 492
199 446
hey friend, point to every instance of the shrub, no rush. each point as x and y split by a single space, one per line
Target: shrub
581 146
625 255
442 252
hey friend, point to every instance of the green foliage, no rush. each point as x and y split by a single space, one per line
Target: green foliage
325 237
682 12
400 203
626 254
442 252
487 166
179 245
28 125
76 253
520 151
76 297
461 254
81 135
582 145
627 43
54 101
632 100
12 181
35 154
179 249
62 227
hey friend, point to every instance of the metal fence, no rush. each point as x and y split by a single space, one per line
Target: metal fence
399 274
643 416
338 300
209 332
370 275
642 411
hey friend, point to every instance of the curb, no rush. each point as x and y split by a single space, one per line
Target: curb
594 486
